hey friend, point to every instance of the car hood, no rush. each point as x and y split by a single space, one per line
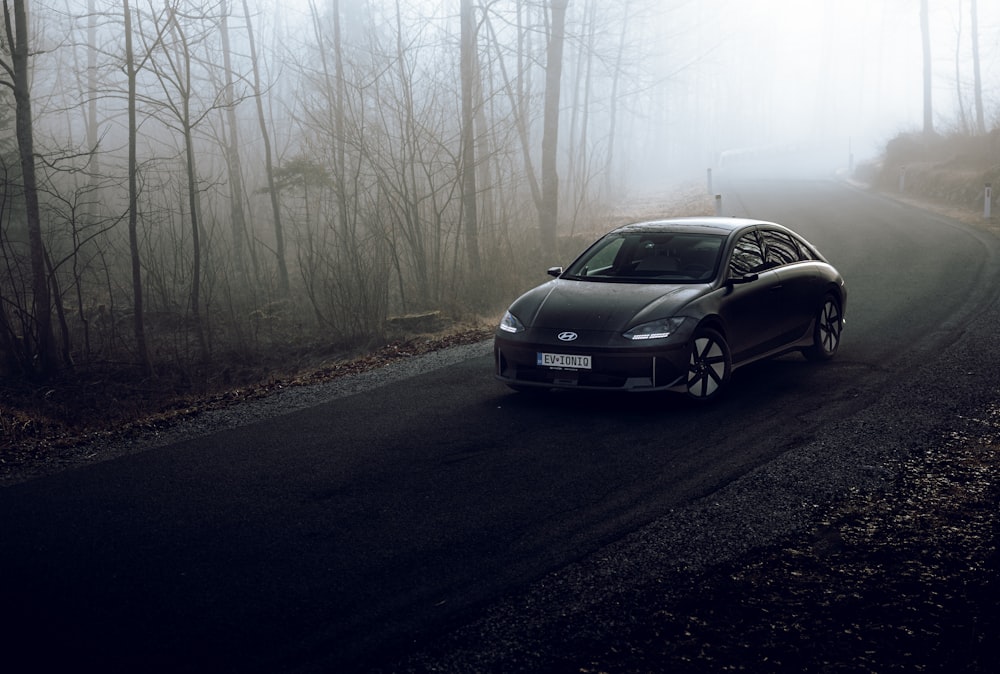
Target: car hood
587 305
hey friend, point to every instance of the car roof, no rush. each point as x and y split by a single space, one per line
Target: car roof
701 225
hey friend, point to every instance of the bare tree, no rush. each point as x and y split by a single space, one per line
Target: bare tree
963 123
18 72
344 271
516 88
548 215
92 126
333 91
578 161
174 72
138 311
925 33
616 75
279 234
469 197
977 77
235 165
486 208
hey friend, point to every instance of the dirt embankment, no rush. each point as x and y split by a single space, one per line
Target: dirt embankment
948 175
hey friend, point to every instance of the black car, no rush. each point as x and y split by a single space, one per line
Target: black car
673 305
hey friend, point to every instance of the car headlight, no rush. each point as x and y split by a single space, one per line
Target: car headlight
660 329
509 323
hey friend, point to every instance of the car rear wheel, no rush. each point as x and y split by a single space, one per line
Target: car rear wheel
826 332
709 365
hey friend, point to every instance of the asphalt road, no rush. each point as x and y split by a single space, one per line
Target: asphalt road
340 536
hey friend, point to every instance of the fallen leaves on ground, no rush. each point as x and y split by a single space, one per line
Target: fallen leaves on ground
901 581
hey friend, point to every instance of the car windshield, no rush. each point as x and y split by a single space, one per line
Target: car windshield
649 257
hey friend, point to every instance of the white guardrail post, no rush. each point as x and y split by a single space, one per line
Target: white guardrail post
987 200
718 204
709 180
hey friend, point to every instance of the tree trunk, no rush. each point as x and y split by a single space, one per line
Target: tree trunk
92 130
486 210
468 65
963 123
333 90
925 32
339 125
238 228
138 319
578 166
17 38
284 286
194 206
977 78
616 77
519 105
549 213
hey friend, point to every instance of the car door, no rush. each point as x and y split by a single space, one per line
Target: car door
751 308
800 283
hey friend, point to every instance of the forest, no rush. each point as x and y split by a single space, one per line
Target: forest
190 185
188 189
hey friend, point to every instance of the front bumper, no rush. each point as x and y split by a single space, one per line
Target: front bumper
659 368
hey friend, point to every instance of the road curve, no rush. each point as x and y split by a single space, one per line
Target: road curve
347 534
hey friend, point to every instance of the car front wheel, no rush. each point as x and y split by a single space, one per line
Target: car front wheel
709 365
826 332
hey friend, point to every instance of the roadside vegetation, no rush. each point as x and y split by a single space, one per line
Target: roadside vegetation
948 172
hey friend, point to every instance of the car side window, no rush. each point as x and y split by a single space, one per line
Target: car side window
747 256
780 249
804 252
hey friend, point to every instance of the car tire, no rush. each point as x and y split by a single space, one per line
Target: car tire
710 365
826 330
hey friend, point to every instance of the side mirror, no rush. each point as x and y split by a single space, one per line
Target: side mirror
555 271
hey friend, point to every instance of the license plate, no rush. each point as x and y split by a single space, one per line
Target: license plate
563 361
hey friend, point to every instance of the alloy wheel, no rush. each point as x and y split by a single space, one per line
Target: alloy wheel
709 365
826 337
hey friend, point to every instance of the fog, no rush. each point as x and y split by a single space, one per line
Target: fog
346 168
840 78
698 78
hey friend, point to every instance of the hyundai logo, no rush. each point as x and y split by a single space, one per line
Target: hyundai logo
567 336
